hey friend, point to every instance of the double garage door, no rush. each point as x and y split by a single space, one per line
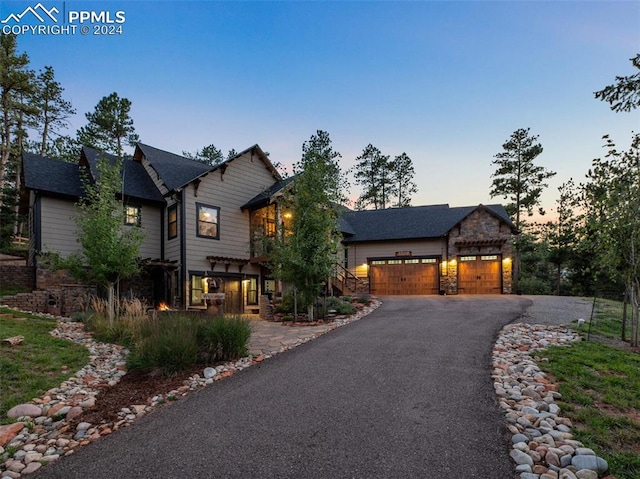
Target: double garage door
404 276
479 274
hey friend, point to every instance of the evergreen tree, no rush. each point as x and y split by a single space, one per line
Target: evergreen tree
209 155
16 85
518 179
624 95
109 126
53 110
373 173
402 173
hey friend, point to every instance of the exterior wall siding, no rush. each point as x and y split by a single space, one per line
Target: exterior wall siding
244 178
58 228
150 222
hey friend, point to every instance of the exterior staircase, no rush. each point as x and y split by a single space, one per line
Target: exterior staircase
345 283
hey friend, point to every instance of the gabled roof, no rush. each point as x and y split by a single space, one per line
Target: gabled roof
266 197
53 176
175 171
137 183
417 222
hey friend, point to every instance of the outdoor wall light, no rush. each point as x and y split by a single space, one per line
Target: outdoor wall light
443 268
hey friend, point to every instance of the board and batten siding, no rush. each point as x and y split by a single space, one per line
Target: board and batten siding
359 253
244 178
58 230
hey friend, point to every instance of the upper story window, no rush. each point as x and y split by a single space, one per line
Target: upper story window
207 221
172 223
132 215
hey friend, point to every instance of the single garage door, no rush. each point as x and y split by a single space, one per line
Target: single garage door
404 276
479 274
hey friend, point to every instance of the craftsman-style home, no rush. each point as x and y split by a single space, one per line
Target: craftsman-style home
205 228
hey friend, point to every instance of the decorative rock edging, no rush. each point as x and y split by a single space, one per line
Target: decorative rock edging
542 444
42 433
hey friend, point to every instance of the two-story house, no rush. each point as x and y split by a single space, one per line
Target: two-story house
205 228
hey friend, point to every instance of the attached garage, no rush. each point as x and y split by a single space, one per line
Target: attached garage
429 250
479 274
413 276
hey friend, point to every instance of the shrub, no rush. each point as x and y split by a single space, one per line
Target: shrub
168 344
223 338
345 308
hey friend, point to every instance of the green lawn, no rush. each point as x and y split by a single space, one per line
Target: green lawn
600 387
31 368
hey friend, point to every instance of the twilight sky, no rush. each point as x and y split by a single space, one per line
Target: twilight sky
445 82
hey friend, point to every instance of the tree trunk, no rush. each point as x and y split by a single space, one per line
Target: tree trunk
310 312
110 312
635 317
625 304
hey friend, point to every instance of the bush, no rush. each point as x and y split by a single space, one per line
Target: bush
168 344
223 338
533 285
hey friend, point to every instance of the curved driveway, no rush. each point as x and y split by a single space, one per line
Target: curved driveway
405 392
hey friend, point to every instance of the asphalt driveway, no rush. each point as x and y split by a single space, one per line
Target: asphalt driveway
405 392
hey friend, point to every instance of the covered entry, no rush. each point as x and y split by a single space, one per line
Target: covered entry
479 274
404 276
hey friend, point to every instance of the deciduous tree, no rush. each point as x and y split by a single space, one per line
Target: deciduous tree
109 250
612 203
304 254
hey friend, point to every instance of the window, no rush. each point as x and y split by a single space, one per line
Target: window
132 215
411 261
467 258
199 286
394 261
172 223
208 221
378 261
491 257
252 291
429 260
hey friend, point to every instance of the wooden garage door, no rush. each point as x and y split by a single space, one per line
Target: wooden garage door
404 276
479 274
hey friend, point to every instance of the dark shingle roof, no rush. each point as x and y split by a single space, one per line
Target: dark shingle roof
175 170
264 198
415 222
137 183
53 176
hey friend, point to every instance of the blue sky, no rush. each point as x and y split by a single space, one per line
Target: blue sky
445 82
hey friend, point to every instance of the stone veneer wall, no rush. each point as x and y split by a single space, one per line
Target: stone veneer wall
18 275
266 308
479 226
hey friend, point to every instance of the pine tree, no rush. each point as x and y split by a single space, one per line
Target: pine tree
109 126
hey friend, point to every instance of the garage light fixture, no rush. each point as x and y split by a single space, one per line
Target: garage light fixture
443 268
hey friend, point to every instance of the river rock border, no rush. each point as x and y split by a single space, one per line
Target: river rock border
542 443
42 433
